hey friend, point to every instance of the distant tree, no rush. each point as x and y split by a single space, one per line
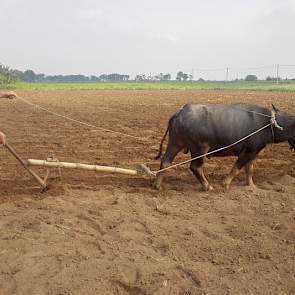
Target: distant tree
185 77
16 74
201 80
167 77
113 77
162 77
126 77
39 78
150 77
29 76
7 75
2 79
103 78
159 77
140 78
269 78
181 76
251 78
93 78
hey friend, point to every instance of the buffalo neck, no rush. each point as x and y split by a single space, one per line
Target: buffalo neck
288 123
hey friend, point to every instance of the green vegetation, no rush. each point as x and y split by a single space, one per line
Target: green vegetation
12 79
172 85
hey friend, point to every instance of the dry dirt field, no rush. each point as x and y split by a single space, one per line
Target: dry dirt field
97 233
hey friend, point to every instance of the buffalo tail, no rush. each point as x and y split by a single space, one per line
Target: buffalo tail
163 139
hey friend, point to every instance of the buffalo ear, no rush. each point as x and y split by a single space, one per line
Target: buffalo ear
274 108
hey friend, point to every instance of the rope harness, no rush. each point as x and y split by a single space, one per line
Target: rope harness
274 124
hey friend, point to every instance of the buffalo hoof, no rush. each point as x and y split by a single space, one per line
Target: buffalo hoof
208 188
156 186
226 186
251 185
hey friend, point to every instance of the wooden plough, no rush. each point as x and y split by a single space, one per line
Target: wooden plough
140 169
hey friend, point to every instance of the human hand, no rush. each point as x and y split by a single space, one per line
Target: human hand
9 95
2 139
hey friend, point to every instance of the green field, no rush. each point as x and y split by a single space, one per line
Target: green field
241 85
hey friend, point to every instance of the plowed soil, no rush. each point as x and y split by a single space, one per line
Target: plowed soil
98 233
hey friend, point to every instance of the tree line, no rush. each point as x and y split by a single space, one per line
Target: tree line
8 76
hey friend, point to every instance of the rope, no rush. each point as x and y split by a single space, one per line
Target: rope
80 122
274 122
254 112
212 152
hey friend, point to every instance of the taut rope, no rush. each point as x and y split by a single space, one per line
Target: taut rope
80 122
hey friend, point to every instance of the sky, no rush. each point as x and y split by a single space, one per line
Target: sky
93 37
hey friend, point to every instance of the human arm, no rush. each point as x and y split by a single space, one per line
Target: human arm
9 95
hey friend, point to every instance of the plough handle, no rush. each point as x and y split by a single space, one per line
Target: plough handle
24 164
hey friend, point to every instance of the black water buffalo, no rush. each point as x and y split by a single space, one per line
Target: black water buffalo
204 128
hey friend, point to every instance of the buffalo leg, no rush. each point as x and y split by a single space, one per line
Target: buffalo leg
171 151
249 173
243 160
197 168
235 171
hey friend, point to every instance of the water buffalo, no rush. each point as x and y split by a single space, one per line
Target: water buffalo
204 128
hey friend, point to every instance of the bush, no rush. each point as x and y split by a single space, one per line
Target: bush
251 78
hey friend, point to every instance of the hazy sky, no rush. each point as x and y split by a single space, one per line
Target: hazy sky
99 36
